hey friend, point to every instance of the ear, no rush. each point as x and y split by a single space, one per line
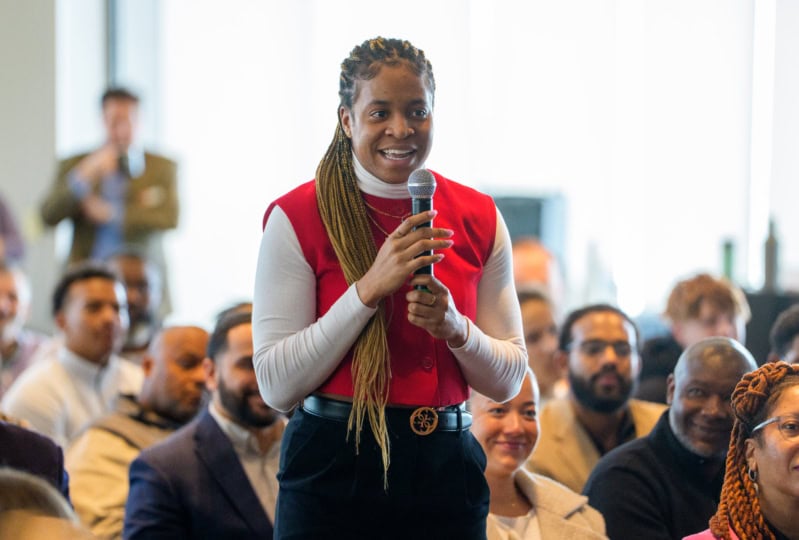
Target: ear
60 320
345 116
670 389
749 454
210 374
147 364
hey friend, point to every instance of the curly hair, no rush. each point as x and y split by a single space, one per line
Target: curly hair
753 399
687 296
344 216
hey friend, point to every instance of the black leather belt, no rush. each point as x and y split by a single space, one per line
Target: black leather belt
422 420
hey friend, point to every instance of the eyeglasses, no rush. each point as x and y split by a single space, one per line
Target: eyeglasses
787 424
595 347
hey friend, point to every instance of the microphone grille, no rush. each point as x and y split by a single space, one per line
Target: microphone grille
421 184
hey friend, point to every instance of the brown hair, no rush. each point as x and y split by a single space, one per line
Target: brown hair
686 298
753 399
344 215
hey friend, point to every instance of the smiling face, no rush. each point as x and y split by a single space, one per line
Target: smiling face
699 393
506 431
775 455
390 123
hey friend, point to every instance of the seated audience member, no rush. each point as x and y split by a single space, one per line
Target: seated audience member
216 477
143 290
599 344
760 495
61 394
534 266
28 451
699 307
667 485
541 336
17 344
31 509
784 336
99 459
523 505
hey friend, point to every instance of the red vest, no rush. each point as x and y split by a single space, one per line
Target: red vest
423 370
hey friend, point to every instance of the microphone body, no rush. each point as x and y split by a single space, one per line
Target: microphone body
421 186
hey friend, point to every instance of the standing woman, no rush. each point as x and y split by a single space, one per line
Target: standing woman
379 446
760 496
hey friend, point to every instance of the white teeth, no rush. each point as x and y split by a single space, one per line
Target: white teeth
393 152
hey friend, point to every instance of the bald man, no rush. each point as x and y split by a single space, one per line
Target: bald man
171 395
668 483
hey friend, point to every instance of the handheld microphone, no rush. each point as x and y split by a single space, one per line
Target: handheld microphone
421 186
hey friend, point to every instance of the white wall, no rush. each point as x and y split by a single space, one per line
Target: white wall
785 184
638 112
27 128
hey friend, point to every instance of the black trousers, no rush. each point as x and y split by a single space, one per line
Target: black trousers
436 488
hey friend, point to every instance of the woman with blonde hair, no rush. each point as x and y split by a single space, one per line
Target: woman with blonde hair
523 505
378 351
760 496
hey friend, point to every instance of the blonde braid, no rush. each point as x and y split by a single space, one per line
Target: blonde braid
344 215
752 399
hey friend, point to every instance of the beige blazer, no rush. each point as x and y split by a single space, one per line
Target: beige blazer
561 512
565 451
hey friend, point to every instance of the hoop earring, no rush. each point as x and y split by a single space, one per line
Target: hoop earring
752 474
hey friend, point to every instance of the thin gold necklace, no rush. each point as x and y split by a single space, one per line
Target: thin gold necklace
376 224
384 213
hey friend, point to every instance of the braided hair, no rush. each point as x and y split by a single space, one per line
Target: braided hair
344 216
753 399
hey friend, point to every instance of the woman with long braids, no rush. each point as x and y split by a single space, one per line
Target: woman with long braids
760 496
378 360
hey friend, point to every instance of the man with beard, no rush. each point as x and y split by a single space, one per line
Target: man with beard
99 459
216 477
80 377
599 344
667 484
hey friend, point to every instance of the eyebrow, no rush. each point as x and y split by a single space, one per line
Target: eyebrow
383 102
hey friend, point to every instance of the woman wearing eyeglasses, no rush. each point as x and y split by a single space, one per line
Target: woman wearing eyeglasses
760 496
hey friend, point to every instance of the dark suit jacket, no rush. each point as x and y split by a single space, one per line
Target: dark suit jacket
191 485
27 451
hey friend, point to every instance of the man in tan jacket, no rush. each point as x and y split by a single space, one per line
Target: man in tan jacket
599 343
117 195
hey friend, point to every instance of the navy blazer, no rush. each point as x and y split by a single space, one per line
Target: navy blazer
192 485
28 451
